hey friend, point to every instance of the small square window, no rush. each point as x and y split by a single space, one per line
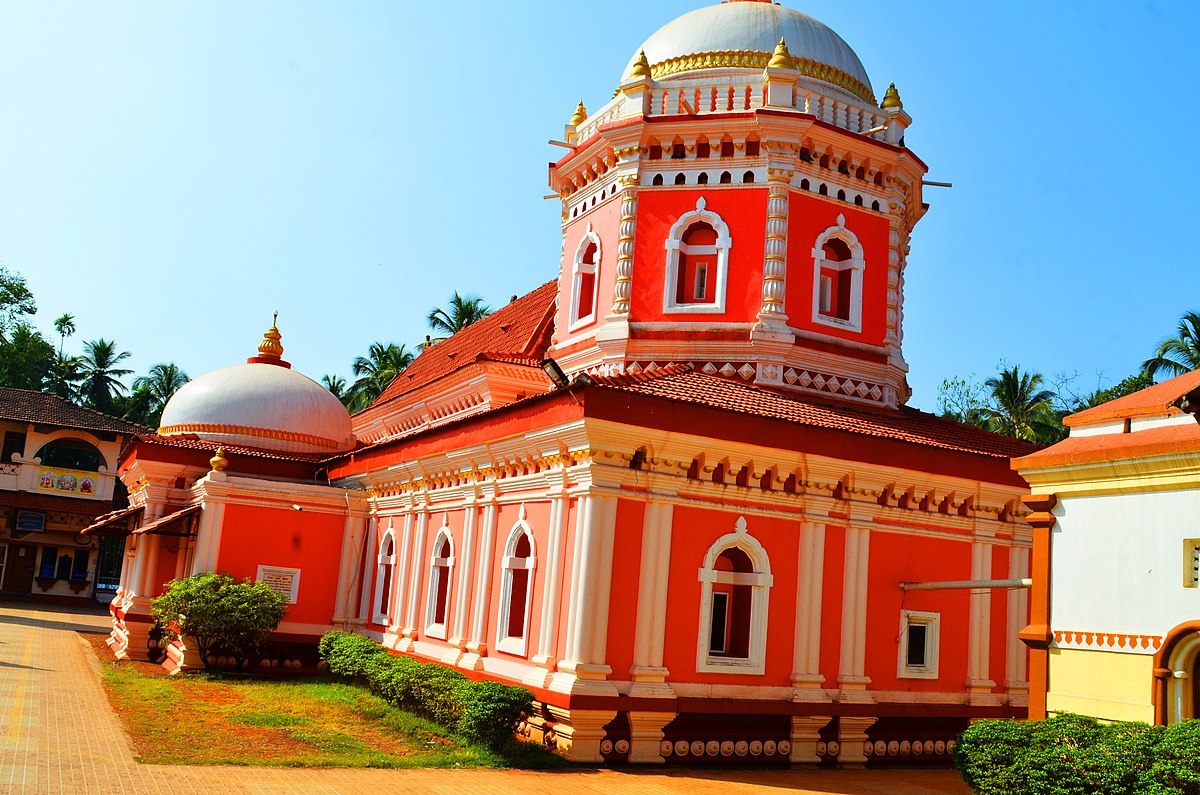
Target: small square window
918 645
1191 563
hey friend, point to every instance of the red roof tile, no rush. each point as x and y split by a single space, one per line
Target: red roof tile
24 405
1169 440
1151 400
192 442
680 383
518 331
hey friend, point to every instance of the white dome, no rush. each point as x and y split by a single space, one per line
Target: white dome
754 26
263 404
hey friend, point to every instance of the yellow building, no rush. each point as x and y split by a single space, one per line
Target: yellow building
1115 609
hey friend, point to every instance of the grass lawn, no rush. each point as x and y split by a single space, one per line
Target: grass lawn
198 719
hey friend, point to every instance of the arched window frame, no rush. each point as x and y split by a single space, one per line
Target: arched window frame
760 581
438 568
581 315
855 264
675 247
510 564
385 579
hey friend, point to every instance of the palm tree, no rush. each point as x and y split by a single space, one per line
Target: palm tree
1019 407
64 376
376 371
101 376
337 385
163 381
462 312
1179 354
64 324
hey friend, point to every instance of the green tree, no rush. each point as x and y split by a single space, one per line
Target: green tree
461 312
65 374
336 385
376 371
1019 406
26 358
963 400
161 382
1179 354
16 301
101 375
64 324
226 617
137 406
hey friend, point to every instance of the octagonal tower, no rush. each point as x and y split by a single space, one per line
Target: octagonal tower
742 204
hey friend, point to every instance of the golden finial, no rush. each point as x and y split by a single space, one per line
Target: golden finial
782 59
580 115
641 67
891 99
218 461
270 347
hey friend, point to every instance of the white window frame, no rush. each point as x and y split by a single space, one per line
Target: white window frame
575 319
437 568
760 581
932 623
856 265
379 615
504 642
718 270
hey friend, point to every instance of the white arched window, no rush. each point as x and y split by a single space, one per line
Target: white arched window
437 603
838 267
697 262
735 583
583 282
516 591
384 577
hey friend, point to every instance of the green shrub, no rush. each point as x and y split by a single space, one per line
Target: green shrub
226 617
1076 755
487 712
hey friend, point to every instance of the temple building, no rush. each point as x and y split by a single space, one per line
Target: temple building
675 491
1115 609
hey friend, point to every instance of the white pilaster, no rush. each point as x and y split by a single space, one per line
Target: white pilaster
477 645
648 674
979 683
416 562
852 678
552 583
459 636
806 657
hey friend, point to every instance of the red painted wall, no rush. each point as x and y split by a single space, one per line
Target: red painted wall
894 559
744 210
623 598
605 220
808 217
312 542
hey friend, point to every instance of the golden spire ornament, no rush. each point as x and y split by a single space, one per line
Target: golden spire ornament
641 67
270 346
580 115
891 99
781 59
218 462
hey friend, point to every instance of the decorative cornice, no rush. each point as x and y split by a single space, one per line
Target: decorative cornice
200 428
749 59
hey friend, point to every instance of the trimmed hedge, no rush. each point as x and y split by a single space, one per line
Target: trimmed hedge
1076 755
487 712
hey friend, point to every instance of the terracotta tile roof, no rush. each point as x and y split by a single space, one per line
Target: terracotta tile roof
1169 440
519 331
51 502
192 442
115 522
681 383
1149 401
25 405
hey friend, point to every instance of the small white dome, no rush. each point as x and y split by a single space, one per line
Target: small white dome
263 404
754 26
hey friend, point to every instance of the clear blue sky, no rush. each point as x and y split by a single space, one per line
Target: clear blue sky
171 173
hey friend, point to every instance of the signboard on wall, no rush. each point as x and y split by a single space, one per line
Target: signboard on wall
66 481
31 522
285 582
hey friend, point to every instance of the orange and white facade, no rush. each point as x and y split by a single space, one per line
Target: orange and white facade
721 536
1115 615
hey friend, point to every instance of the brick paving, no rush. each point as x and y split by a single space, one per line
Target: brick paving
59 735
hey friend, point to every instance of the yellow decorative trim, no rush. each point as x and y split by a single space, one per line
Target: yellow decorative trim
245 430
749 59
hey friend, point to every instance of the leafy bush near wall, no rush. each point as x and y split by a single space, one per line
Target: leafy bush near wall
1077 755
486 712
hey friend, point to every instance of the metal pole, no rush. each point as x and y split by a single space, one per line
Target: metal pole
951 585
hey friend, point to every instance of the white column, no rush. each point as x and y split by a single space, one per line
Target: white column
852 678
979 683
477 645
591 580
416 562
369 572
458 638
806 657
353 537
552 583
1016 675
403 572
648 674
605 531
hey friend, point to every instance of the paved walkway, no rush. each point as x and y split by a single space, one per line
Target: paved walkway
59 735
